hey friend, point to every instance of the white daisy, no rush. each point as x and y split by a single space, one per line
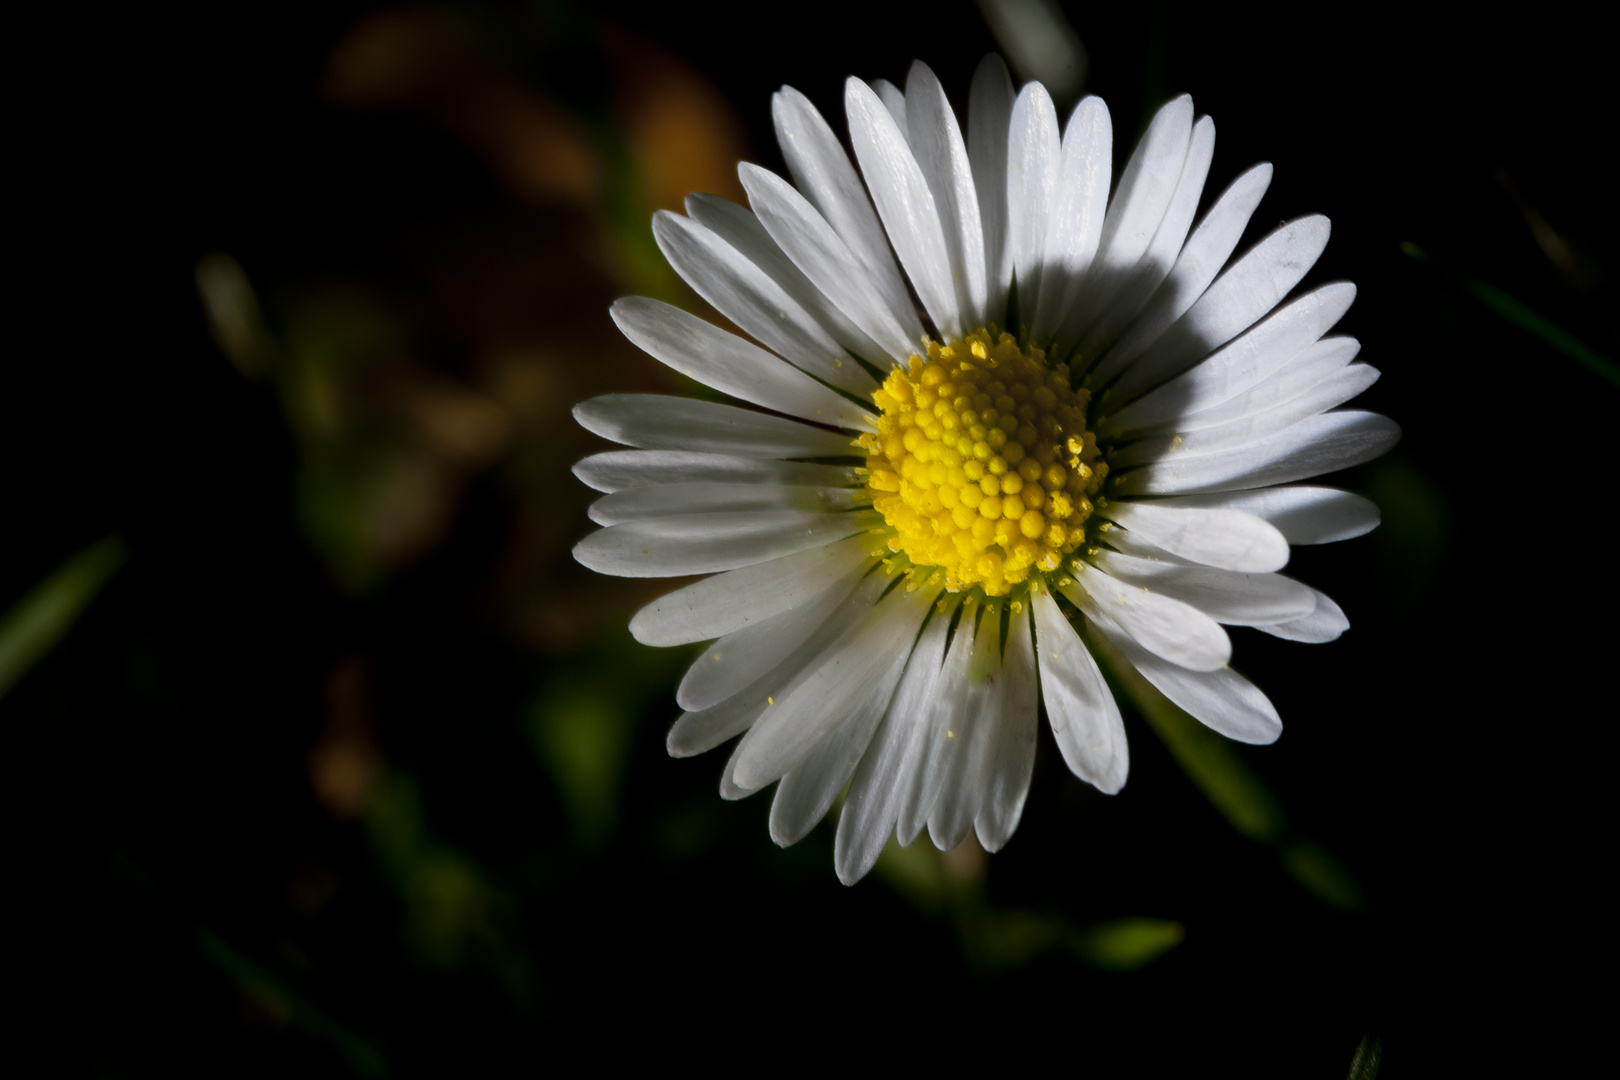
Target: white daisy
1079 417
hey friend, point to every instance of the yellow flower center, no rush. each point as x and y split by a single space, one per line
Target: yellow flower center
982 464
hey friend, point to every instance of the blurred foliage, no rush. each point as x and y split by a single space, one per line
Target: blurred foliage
583 737
951 886
1364 1066
265 1001
1213 764
280 1007
1518 314
1039 43
1127 944
583 721
35 623
1413 539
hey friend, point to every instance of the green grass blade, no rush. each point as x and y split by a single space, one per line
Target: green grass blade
287 1007
1364 1066
1545 329
1206 757
1212 763
38 621
1511 310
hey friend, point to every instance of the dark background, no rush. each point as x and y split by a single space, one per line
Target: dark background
312 789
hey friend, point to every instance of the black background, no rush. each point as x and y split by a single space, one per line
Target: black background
1450 749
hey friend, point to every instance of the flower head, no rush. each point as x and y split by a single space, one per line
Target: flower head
1081 419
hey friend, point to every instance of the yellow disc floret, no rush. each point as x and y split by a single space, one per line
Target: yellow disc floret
982 464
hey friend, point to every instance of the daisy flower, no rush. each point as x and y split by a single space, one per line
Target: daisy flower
994 401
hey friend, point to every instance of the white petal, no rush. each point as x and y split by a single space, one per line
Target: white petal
1270 347
1017 717
947 719
1078 208
847 675
1222 700
1206 252
806 794
670 500
1313 366
697 732
1327 394
658 422
665 501
1176 631
889 767
746 295
904 203
1324 394
1305 515
706 543
936 142
734 662
728 781
818 251
990 104
1084 716
615 470
1326 623
1229 539
970 748
1226 596
1162 253
824 174
1034 161
1133 543
1322 444
1254 285
1138 206
729 602
1145 187
737 226
895 102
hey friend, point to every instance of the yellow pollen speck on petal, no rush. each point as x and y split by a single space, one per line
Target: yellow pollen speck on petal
982 465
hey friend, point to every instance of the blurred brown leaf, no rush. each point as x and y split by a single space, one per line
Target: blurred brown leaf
345 762
682 133
417 61
459 423
516 298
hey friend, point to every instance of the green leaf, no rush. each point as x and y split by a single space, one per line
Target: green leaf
1127 944
1314 867
582 735
38 621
